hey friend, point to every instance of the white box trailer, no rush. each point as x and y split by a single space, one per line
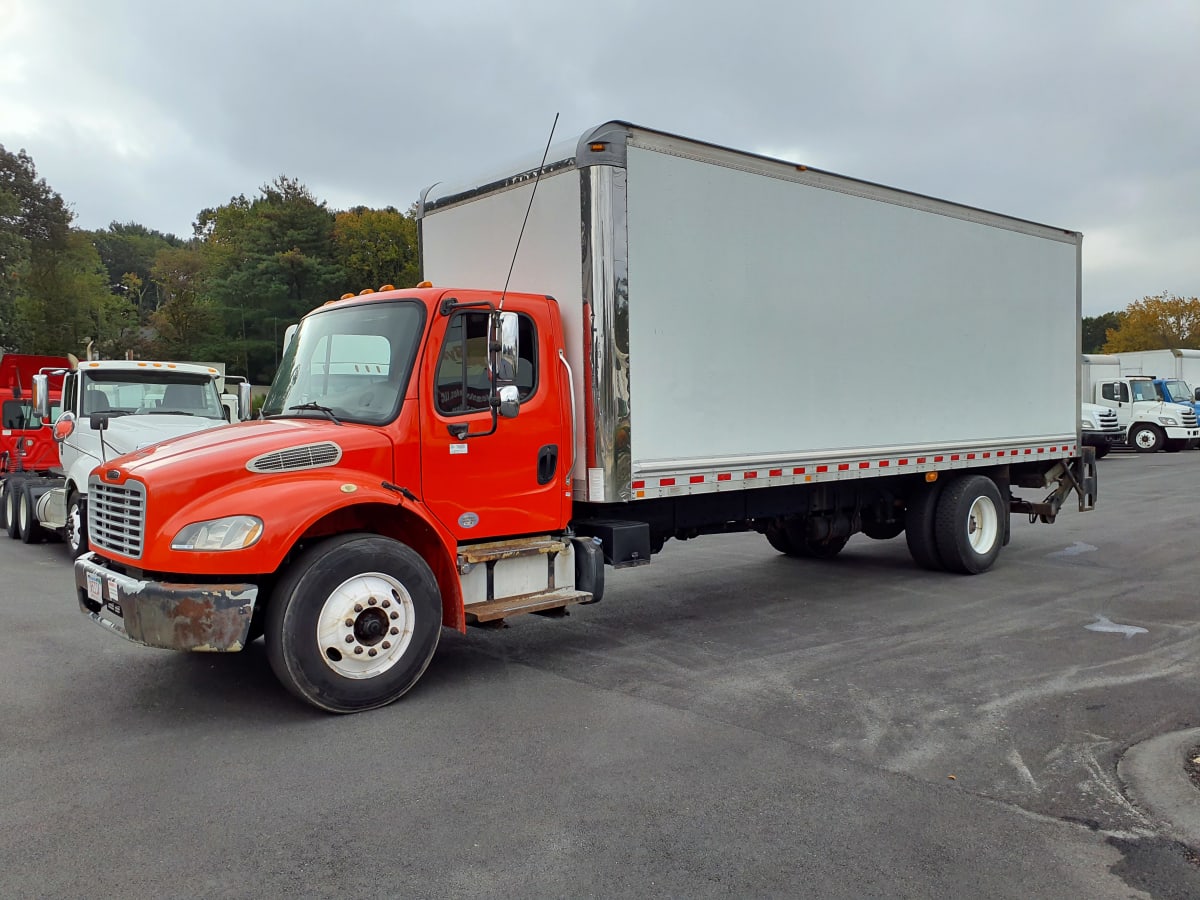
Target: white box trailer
1176 363
742 321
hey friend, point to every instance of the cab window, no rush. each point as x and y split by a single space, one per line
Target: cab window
463 383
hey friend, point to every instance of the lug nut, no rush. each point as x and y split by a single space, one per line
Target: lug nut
349 639
372 601
386 604
358 607
395 630
371 652
358 649
386 645
349 623
395 615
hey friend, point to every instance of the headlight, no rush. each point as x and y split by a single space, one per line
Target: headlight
230 533
1167 420
1087 424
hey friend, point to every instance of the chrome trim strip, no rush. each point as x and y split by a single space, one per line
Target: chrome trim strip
606 298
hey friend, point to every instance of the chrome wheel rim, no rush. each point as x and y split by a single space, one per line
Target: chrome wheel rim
366 625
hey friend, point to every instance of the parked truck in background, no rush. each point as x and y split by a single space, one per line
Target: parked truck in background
108 408
1175 373
1099 428
1149 422
26 443
672 359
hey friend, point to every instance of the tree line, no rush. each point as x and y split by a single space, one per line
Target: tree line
255 265
251 268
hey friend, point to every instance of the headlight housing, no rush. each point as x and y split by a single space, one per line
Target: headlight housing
229 533
1167 420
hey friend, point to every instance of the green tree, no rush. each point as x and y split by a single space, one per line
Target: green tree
1156 323
128 251
186 323
376 247
268 261
34 224
1096 328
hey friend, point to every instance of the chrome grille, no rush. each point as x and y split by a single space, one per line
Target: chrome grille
1188 419
306 456
1108 420
116 516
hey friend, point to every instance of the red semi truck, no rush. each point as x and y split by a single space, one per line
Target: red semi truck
27 444
699 341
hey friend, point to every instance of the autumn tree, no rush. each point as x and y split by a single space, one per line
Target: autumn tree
1156 323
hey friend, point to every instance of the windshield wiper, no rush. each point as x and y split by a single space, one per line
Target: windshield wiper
316 407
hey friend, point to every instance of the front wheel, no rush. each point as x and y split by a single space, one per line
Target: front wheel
1102 450
1174 445
1146 438
353 623
76 532
969 526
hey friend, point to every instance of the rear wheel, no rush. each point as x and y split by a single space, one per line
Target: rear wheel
28 528
12 492
353 623
1146 438
780 538
919 526
969 526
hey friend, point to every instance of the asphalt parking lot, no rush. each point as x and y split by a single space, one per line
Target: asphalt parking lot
728 722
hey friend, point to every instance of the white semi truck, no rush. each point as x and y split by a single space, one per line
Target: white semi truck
109 408
1149 423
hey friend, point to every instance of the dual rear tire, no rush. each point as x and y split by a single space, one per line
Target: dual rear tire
958 527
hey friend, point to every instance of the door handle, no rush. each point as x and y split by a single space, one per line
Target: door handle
547 463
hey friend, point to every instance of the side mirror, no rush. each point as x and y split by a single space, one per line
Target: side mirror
507 346
41 396
243 398
510 401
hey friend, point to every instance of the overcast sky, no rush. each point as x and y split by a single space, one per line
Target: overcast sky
1081 114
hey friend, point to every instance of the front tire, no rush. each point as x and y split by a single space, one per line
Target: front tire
76 530
969 526
1102 450
1146 438
1174 445
353 623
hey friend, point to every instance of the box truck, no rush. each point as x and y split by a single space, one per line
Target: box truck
694 341
1176 373
1149 422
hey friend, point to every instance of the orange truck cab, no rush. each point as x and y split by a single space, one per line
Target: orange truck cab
380 476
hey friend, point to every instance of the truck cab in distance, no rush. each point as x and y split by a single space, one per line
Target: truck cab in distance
1148 422
108 408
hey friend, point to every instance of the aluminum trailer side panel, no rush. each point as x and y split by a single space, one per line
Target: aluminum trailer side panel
747 312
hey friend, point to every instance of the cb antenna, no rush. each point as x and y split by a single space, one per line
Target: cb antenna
532 194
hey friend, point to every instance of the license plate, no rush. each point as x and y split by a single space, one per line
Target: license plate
95 587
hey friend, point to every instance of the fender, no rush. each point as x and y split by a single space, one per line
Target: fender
334 501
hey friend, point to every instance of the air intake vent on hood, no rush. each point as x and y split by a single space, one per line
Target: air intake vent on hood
294 459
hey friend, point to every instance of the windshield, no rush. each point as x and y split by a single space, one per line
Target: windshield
1180 391
1144 390
349 362
154 392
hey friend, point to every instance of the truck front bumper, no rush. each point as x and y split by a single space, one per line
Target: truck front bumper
1101 438
1179 433
174 616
